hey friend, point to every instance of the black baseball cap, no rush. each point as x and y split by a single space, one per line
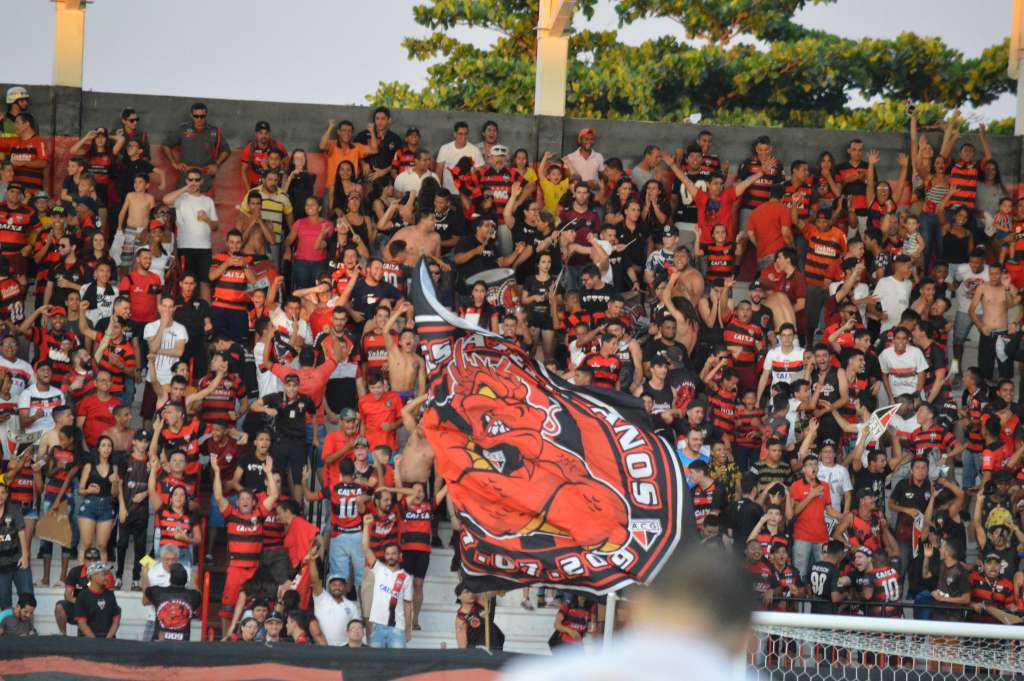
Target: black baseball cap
142 434
262 125
291 378
412 131
92 553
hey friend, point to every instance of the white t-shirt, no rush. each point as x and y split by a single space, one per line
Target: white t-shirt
192 232
104 307
586 168
174 333
280 320
902 369
894 297
786 367
22 374
33 398
860 291
969 282
384 581
409 181
450 155
334 617
838 480
266 382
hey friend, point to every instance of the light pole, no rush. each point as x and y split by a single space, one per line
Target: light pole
68 42
1016 63
552 56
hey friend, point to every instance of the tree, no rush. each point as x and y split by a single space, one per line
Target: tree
792 76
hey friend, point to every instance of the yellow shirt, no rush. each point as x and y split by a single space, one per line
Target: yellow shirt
553 193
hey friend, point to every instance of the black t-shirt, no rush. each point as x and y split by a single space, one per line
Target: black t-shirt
674 353
487 260
11 524
98 610
365 297
687 210
822 580
742 517
386 147
450 223
175 607
596 299
865 479
290 421
533 287
126 172
253 478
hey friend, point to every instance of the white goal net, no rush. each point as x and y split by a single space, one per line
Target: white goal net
810 647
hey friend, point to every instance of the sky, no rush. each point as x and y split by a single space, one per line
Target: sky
322 50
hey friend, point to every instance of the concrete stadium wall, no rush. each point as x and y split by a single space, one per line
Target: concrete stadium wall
68 111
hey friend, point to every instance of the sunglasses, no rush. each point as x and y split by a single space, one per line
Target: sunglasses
198 115
131 120
195 179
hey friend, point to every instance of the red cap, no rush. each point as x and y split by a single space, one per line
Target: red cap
56 310
586 131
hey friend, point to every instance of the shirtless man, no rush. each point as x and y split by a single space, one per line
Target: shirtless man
121 432
687 280
133 220
406 371
421 239
256 232
996 296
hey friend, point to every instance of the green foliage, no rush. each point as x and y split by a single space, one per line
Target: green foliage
792 76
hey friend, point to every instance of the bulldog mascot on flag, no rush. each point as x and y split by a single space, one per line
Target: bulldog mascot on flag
552 483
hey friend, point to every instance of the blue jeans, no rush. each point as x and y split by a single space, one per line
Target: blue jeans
128 396
305 272
17 579
972 468
923 598
318 461
345 547
384 636
97 508
804 554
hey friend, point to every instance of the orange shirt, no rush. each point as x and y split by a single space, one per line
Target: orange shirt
374 413
766 223
354 155
335 441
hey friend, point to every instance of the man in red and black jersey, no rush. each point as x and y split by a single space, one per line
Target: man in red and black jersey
762 161
17 221
761 574
255 153
883 591
12 295
116 356
228 401
180 433
852 176
54 344
931 438
604 364
708 496
347 498
788 580
964 173
27 153
230 277
799 193
415 521
988 589
745 341
244 524
495 179
406 156
722 393
373 349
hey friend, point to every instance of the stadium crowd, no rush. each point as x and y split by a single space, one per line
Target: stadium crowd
197 402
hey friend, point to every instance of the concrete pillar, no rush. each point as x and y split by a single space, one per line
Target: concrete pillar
68 42
552 57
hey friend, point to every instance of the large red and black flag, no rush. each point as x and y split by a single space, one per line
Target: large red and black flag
553 483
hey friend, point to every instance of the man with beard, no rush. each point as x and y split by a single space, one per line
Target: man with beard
244 523
380 530
391 605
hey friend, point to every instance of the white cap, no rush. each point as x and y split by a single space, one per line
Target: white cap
499 150
15 93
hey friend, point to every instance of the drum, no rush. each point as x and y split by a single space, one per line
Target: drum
502 291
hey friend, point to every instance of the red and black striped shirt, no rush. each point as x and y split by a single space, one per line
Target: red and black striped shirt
245 536
414 525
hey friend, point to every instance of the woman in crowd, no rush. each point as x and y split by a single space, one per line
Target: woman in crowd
98 487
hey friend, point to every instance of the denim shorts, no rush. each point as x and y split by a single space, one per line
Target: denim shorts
99 509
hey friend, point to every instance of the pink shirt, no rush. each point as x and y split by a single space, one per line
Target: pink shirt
308 229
